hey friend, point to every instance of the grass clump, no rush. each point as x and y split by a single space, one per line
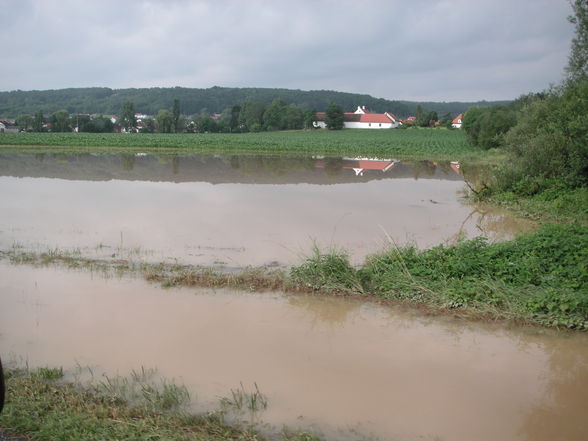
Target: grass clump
140 390
328 272
241 399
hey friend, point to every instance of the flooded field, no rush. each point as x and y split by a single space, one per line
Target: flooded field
347 369
344 368
233 211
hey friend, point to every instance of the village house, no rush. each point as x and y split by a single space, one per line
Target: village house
8 126
362 119
456 123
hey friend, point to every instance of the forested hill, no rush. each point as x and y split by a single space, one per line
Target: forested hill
107 101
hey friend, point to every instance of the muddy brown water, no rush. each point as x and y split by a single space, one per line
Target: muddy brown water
233 211
346 369
340 367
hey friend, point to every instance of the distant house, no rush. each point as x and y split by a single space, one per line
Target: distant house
8 126
362 119
456 123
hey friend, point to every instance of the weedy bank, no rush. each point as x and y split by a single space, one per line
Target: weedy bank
540 277
42 406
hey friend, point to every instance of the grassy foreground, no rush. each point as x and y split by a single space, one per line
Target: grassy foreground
42 406
540 277
428 144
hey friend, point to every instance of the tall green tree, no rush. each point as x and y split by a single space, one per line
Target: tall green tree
418 115
293 118
176 115
165 121
274 115
334 117
60 121
234 118
485 127
446 120
548 147
251 115
38 122
577 68
127 116
309 118
24 122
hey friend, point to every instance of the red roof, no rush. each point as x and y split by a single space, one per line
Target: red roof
457 119
374 118
358 117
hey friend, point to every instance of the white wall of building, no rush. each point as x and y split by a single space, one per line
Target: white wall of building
360 125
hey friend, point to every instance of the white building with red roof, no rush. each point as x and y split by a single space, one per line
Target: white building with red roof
457 122
362 119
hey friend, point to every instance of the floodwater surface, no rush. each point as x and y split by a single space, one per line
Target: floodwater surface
335 365
233 211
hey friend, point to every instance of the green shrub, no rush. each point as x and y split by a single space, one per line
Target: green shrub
328 272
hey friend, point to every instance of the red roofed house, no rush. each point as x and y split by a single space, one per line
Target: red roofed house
456 123
362 119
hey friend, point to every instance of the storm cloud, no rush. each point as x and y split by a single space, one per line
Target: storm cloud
438 50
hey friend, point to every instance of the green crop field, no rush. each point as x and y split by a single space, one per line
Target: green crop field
401 144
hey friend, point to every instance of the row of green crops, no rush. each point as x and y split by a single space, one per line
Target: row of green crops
401 144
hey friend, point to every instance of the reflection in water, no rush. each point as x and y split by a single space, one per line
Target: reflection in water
332 362
233 211
220 169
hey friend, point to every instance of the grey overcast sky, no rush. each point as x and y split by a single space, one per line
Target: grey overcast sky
438 50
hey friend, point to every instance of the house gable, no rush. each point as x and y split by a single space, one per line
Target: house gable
362 119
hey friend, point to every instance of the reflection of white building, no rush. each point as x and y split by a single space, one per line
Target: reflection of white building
362 119
359 165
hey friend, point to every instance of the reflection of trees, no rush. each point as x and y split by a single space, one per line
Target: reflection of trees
333 166
502 224
561 414
262 165
476 176
445 167
423 168
175 164
128 161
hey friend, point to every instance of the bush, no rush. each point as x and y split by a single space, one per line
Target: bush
485 127
548 148
327 272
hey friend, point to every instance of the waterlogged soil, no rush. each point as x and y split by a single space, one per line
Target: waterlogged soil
233 211
343 368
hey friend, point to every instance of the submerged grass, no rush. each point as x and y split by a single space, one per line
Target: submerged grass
540 277
562 205
44 407
241 399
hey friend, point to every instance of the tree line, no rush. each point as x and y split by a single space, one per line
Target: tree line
106 101
248 116
545 135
